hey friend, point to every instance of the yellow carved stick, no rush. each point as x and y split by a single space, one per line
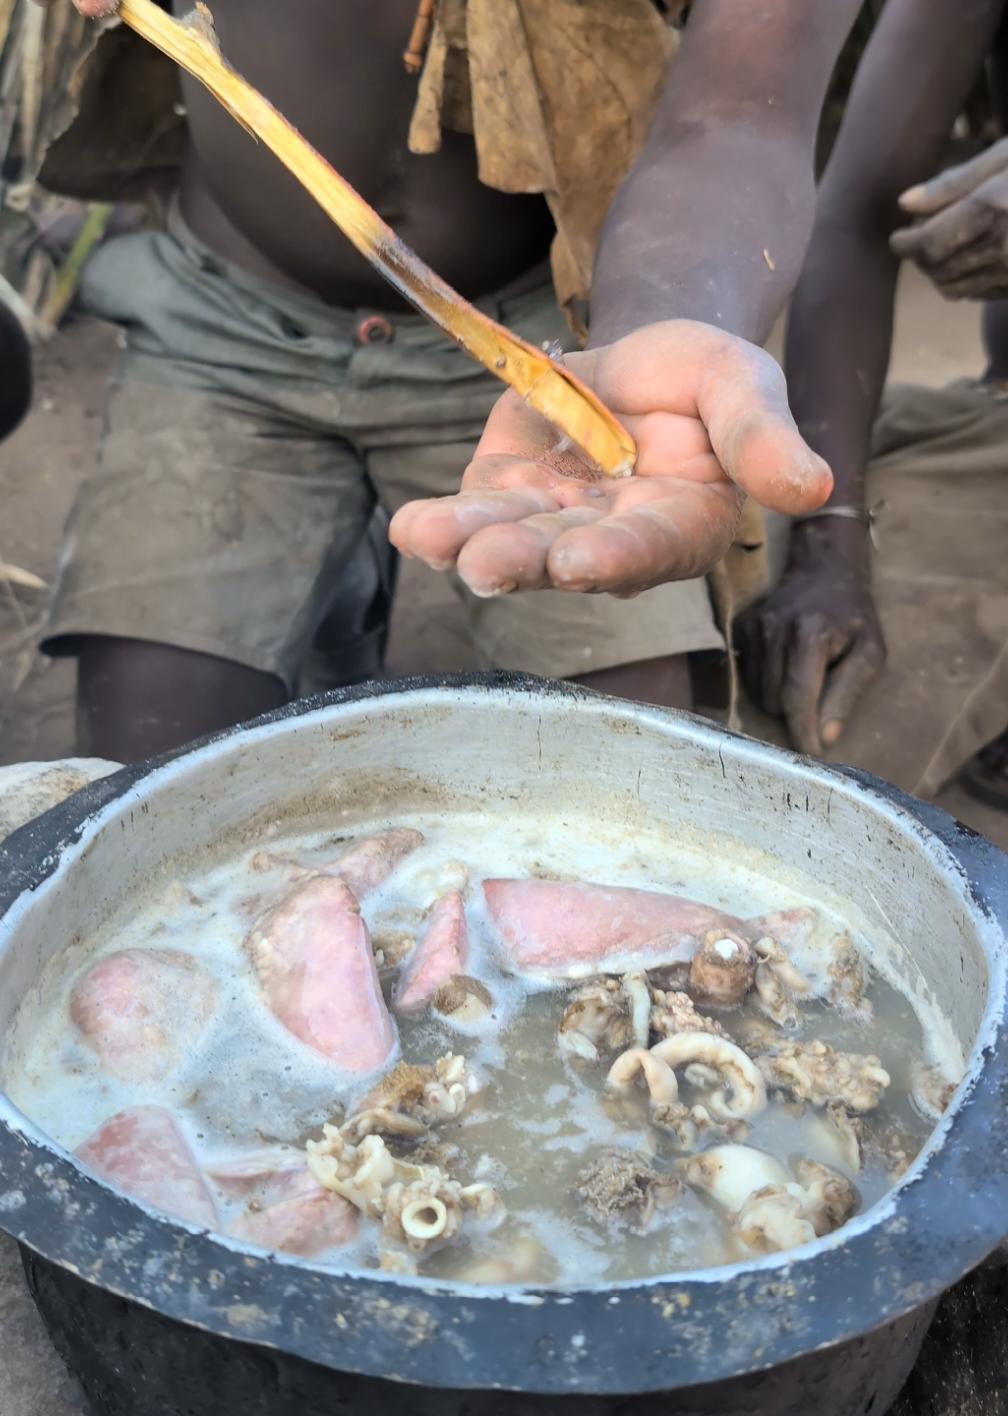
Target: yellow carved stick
548 387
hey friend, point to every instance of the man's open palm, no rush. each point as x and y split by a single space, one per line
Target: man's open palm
710 416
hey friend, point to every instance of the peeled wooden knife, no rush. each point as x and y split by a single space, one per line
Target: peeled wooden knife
544 384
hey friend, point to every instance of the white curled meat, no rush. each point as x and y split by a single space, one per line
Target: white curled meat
770 1209
742 1093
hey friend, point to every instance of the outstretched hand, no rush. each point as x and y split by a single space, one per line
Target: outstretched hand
960 235
710 415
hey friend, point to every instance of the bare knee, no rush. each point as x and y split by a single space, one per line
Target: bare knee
136 699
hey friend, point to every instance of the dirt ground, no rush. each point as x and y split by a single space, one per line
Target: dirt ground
39 470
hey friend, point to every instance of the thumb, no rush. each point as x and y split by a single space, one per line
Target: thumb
955 182
742 400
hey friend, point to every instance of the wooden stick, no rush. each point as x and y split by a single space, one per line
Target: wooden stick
546 386
419 37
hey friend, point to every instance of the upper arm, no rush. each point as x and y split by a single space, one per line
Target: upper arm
915 77
767 64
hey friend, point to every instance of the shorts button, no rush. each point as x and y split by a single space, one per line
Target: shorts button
375 329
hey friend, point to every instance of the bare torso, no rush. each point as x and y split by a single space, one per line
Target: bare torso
337 73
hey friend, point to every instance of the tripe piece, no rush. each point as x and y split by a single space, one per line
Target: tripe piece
143 1152
443 952
561 929
141 1010
314 962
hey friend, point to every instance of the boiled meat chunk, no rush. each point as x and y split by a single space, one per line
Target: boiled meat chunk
143 1152
364 866
561 929
141 1010
443 952
314 962
298 1216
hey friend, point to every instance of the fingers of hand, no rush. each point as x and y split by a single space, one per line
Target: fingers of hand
846 683
955 182
808 656
942 236
648 543
513 556
96 9
436 530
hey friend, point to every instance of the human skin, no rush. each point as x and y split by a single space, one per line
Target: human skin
810 649
690 270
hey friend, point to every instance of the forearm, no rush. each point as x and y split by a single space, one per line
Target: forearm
837 349
709 227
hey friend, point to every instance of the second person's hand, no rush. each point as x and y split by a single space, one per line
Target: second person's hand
809 650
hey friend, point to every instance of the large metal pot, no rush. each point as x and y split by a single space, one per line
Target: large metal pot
159 1319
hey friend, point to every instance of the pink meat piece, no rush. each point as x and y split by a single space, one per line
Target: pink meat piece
301 1218
369 863
790 928
442 952
142 1009
143 1152
257 1171
562 929
313 958
364 866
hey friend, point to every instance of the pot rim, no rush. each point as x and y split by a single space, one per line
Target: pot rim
637 1335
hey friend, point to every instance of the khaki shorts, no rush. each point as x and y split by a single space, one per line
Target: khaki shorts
249 431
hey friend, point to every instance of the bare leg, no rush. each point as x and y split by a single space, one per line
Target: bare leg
995 338
665 682
136 699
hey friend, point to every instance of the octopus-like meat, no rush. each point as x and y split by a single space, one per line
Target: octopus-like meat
931 1092
778 984
411 1098
831 963
735 1086
606 1015
816 1072
417 1205
770 1209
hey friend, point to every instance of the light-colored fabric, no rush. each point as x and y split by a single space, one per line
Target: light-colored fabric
247 435
558 95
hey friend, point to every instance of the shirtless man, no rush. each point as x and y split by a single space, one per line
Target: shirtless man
702 244
810 649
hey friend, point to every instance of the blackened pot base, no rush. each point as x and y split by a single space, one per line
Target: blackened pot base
131 1361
